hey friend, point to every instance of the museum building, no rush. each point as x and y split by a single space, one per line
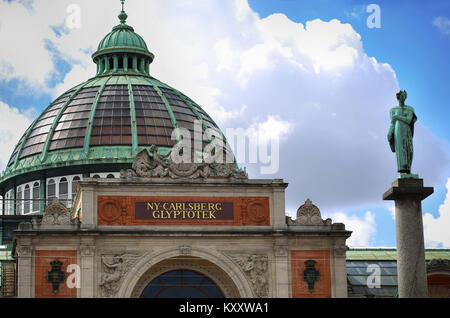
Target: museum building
98 207
112 214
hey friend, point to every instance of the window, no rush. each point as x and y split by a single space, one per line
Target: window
182 284
110 176
96 176
36 195
26 197
8 203
75 187
64 191
51 191
19 200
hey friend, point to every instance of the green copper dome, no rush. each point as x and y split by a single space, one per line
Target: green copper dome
122 36
102 124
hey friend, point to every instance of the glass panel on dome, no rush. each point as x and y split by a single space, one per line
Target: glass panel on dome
71 128
152 117
38 135
112 121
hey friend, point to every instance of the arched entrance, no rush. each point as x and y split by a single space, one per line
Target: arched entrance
182 284
217 272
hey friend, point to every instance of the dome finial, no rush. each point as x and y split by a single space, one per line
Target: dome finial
122 15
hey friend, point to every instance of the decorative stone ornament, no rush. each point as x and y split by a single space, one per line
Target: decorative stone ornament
308 214
56 214
310 274
255 267
150 164
438 265
114 267
56 276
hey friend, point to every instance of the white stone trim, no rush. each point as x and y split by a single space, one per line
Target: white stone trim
132 278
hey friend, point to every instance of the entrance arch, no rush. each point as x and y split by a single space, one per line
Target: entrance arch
226 275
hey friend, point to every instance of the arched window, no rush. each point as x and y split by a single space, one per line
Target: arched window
64 191
26 197
182 284
96 176
19 201
75 187
120 61
110 176
51 191
36 195
8 203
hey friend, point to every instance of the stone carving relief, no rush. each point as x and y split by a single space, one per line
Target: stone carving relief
24 250
57 214
185 250
87 250
438 265
150 164
255 267
281 247
340 250
308 214
114 267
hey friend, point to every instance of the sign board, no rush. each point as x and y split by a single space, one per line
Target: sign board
125 210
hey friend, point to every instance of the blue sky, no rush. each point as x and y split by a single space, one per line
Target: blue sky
418 51
250 56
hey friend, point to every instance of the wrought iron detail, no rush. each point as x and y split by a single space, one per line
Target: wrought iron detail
56 276
311 275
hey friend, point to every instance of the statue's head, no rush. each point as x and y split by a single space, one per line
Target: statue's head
401 97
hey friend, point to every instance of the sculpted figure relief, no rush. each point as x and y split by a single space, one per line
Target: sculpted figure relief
114 268
401 133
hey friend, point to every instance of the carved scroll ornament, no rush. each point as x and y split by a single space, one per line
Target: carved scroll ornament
150 164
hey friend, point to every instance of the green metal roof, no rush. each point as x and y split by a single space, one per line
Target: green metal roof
123 105
87 154
387 254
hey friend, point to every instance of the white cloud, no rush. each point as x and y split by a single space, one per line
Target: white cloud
436 229
75 76
23 51
364 229
443 24
392 210
12 126
315 76
273 128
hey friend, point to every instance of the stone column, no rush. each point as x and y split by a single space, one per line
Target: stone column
411 268
339 268
25 275
281 250
87 266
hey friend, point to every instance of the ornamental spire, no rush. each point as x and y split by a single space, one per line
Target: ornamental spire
122 15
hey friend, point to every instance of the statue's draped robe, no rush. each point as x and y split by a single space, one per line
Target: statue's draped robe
401 135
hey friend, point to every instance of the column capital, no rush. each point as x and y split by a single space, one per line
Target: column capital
402 188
